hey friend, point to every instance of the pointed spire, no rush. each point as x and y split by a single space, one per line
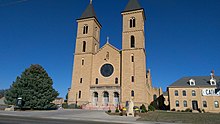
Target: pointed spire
133 5
89 12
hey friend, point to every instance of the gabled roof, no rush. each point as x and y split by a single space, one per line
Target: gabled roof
199 80
108 44
89 12
132 5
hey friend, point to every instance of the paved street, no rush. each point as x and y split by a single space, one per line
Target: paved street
65 116
30 120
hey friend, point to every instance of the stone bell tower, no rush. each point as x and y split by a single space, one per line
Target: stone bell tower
87 44
133 54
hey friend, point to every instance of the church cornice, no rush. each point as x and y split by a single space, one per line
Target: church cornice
87 37
133 31
83 53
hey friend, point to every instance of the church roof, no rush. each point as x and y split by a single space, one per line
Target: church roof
199 81
89 12
132 5
108 44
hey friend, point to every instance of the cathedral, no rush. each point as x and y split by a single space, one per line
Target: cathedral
106 77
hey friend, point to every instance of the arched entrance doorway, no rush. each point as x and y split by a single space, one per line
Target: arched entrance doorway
105 98
116 99
95 98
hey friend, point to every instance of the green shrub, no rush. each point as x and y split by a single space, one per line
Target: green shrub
203 110
109 111
182 111
116 110
188 110
65 105
143 108
151 108
200 111
173 109
72 106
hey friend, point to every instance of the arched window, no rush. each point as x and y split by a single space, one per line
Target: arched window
216 104
193 93
176 93
132 58
204 104
81 80
185 103
106 98
116 99
95 98
132 78
84 46
132 22
83 61
96 47
79 94
155 97
132 93
132 41
184 93
85 29
96 81
177 103
116 80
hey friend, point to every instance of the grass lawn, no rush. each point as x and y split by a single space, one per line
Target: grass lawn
181 117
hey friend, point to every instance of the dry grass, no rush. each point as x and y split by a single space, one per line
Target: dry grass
181 117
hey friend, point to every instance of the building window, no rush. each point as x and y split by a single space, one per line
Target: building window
176 93
216 104
79 94
132 58
81 80
192 82
213 82
96 81
132 22
204 104
193 93
116 80
83 61
177 103
85 29
132 93
132 41
184 93
132 78
185 103
84 46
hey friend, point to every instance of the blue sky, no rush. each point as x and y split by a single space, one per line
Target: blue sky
182 37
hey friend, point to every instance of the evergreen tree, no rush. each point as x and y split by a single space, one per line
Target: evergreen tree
35 88
2 93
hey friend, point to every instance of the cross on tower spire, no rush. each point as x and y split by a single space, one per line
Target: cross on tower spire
108 39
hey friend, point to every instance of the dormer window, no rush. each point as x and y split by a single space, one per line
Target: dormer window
213 82
192 82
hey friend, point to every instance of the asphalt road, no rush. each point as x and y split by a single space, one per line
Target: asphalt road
30 120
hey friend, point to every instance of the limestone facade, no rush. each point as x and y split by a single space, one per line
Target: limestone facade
108 77
201 95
